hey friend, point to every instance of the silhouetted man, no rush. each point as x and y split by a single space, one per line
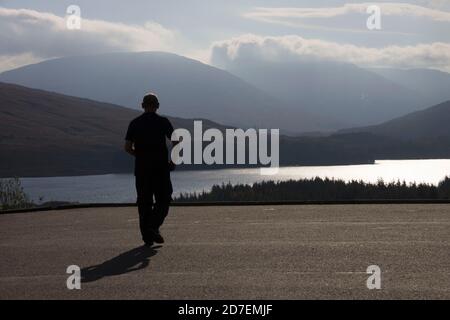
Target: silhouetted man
146 140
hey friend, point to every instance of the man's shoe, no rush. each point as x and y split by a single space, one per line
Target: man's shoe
157 237
148 243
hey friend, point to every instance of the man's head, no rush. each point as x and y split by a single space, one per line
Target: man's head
150 102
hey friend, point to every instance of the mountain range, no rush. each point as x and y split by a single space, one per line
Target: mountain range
346 93
294 95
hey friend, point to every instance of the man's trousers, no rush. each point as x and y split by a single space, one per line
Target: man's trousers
154 194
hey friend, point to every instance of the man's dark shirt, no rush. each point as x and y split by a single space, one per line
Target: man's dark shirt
148 132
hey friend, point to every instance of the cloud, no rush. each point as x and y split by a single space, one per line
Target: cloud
281 15
28 36
250 47
441 4
8 62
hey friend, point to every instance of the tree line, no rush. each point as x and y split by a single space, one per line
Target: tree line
319 189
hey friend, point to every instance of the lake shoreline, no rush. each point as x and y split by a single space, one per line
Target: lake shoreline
214 169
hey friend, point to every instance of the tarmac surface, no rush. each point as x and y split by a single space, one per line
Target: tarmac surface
230 252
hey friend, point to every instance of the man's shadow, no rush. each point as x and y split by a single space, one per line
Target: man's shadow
132 260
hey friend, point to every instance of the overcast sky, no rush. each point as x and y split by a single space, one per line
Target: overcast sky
413 33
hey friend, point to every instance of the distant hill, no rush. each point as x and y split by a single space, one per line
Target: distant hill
45 133
432 85
186 88
351 95
429 124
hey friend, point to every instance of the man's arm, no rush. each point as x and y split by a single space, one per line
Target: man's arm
129 138
129 148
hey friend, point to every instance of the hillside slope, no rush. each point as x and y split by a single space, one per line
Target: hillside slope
45 133
429 124
433 85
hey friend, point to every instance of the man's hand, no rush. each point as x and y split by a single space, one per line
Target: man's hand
172 165
129 147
